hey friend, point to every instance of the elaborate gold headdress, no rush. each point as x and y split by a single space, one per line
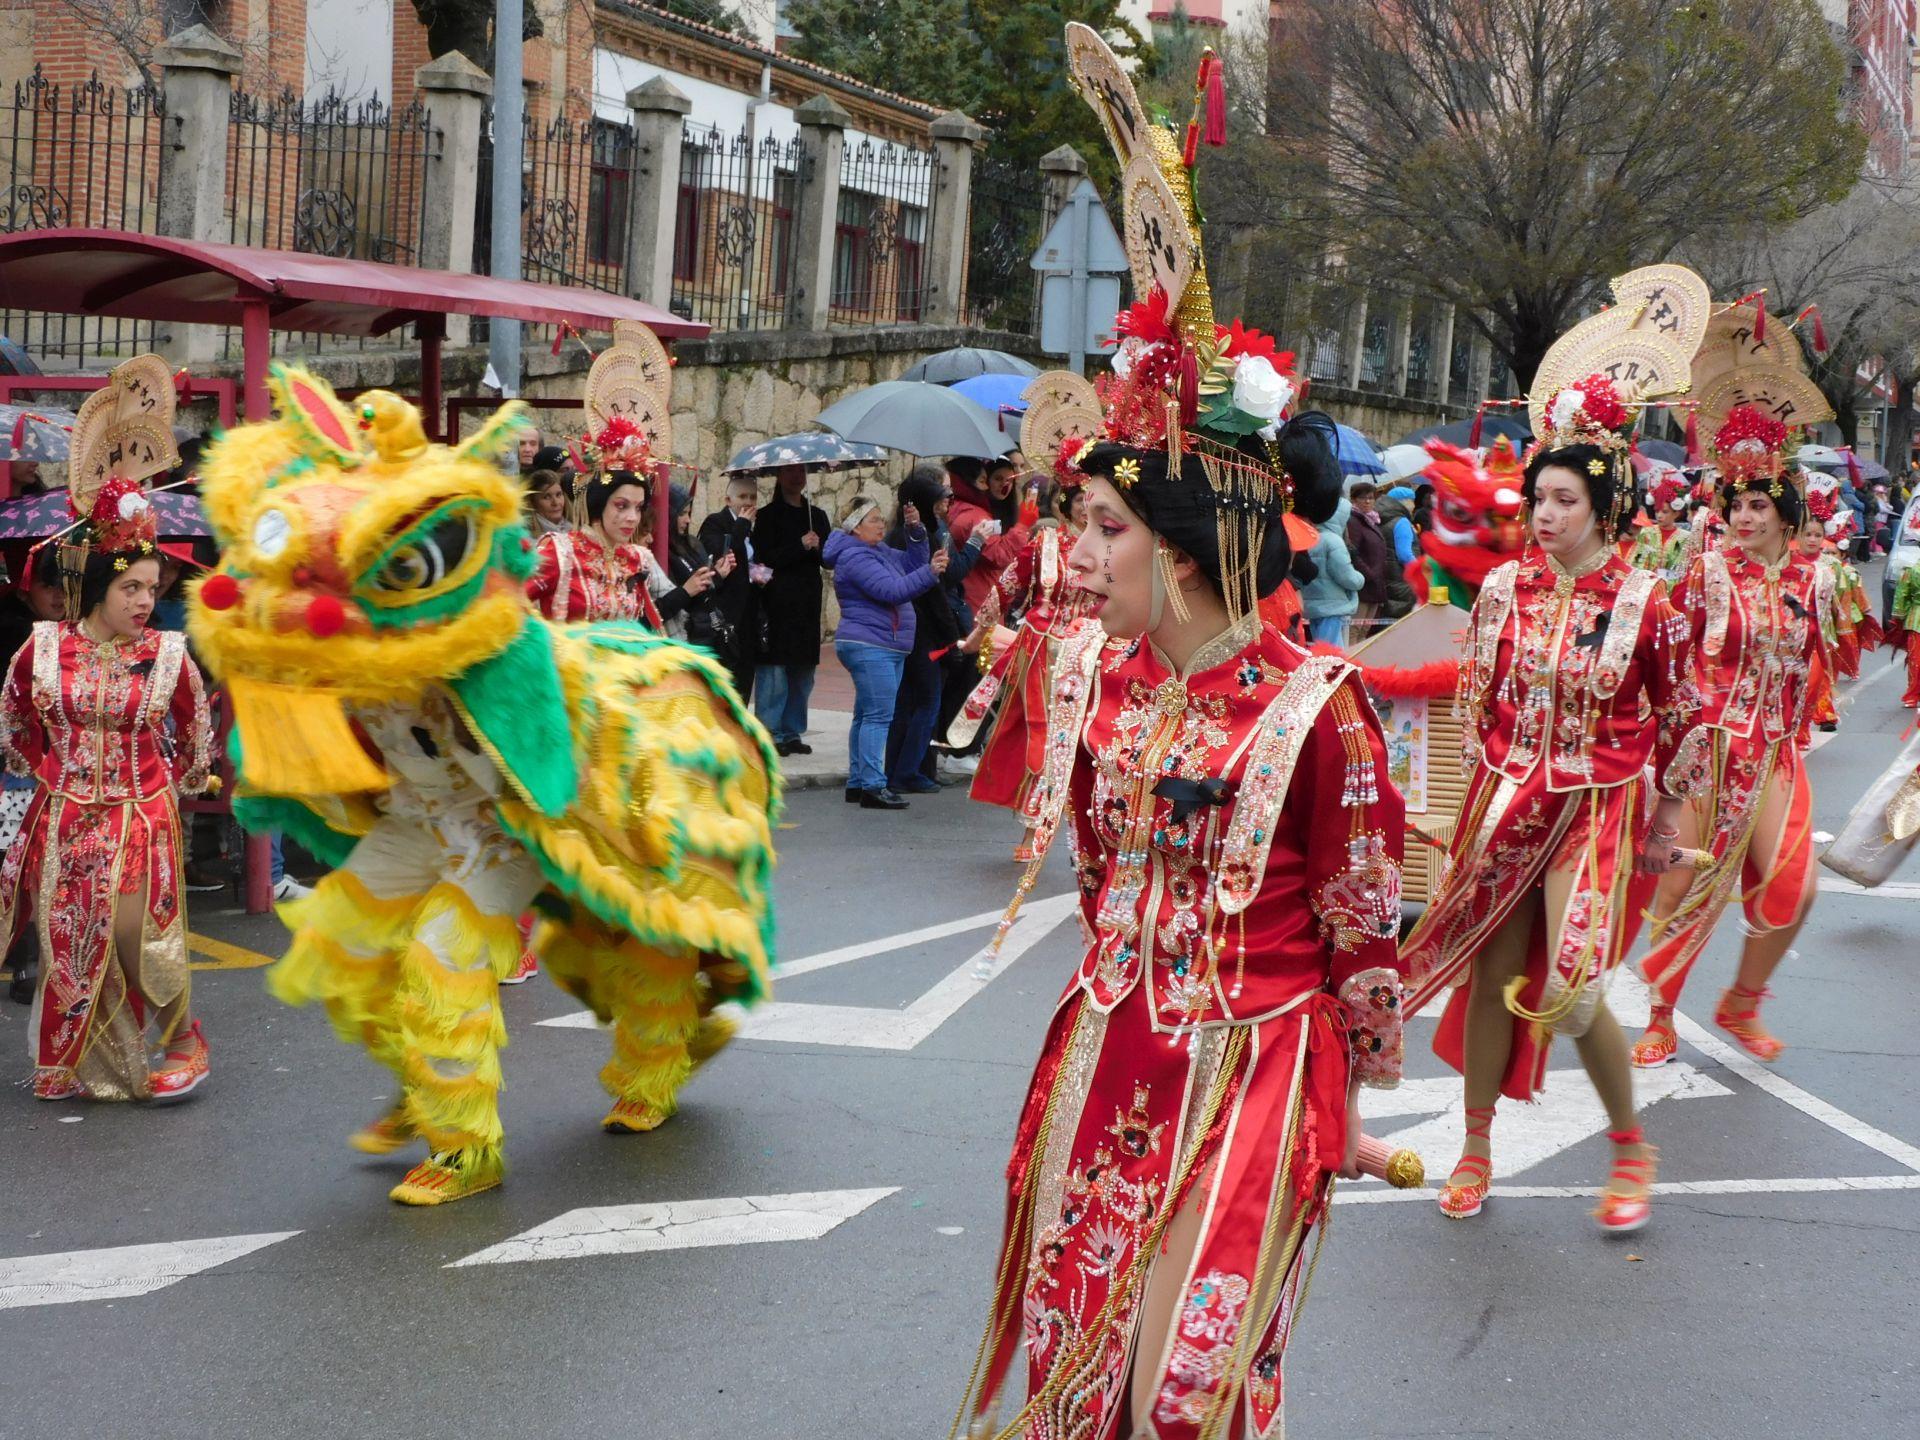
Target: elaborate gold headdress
628 409
1595 379
1181 382
1756 400
1063 418
122 438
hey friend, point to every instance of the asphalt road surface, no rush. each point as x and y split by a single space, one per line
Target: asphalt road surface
807 1248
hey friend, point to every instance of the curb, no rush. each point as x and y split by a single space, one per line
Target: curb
829 780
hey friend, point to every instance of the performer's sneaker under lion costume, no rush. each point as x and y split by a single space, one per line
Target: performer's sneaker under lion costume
401 711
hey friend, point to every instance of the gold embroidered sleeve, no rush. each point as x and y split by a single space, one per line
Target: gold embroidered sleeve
19 726
192 730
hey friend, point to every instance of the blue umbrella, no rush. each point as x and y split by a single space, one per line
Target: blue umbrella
1357 455
995 392
812 449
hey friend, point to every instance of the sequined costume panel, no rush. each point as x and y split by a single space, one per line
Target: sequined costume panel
580 577
108 733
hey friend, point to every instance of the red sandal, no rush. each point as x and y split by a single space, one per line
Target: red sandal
1620 1214
1462 1202
1744 1025
1659 1044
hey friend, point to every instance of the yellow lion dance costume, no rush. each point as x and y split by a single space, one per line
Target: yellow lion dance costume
402 712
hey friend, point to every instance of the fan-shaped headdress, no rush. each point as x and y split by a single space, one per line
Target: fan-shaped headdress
1180 381
627 408
122 438
1595 379
1756 398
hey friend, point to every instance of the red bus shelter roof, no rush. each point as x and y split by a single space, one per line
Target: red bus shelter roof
152 277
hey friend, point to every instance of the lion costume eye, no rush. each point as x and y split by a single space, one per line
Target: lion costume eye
428 558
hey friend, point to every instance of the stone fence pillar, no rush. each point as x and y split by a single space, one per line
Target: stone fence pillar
1443 355
1399 345
659 113
196 78
1060 170
455 92
823 131
954 136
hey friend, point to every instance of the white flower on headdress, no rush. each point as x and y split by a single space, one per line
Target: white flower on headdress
1124 356
1261 390
131 504
1566 405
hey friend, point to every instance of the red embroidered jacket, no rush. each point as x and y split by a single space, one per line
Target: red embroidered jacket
106 723
1587 674
1236 838
1756 630
582 578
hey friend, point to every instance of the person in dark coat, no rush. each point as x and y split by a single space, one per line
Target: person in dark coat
788 536
910 761
729 531
1372 557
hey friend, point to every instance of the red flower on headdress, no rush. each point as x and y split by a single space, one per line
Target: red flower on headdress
1820 504
1066 467
1749 443
1149 319
622 445
1237 340
121 517
1582 409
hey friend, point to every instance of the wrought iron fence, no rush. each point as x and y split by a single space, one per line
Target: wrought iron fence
326 176
733 236
1009 220
79 155
885 218
576 197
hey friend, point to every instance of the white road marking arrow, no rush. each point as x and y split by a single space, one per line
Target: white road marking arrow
869 1028
681 1225
121 1272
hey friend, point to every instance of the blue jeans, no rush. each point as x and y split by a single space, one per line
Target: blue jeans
279 869
1329 629
876 681
780 695
913 716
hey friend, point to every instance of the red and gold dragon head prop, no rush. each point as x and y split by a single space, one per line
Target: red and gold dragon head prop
1477 514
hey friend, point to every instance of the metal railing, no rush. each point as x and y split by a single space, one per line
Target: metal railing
885 218
1008 222
734 251
79 155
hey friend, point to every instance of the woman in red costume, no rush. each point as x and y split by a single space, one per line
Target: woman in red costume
1577 675
1197 1087
598 572
1041 591
1759 612
109 718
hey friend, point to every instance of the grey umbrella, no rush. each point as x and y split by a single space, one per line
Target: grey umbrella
918 418
967 361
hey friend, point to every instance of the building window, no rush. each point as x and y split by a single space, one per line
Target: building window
686 235
908 270
853 252
609 193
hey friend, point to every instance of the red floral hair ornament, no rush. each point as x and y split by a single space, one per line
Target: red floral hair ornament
1750 445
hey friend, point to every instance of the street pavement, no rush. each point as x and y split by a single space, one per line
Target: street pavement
807 1248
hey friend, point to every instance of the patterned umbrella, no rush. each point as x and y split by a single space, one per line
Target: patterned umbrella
34 432
31 517
813 450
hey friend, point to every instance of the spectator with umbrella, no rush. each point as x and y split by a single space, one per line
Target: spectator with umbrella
727 537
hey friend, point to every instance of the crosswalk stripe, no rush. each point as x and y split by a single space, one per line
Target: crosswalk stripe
681 1225
121 1272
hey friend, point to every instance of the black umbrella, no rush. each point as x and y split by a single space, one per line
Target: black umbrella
1459 432
1671 451
967 361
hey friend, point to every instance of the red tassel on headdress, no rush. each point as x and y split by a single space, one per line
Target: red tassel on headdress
1190 147
1189 386
1819 329
1853 468
1759 322
1693 438
1214 76
1473 435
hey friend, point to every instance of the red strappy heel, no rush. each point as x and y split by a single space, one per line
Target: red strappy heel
1744 1025
1461 1202
1659 1044
1621 1214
